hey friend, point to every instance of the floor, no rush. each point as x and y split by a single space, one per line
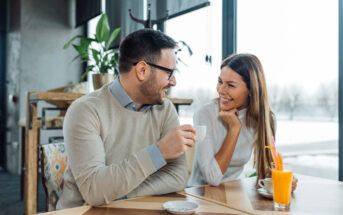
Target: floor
10 203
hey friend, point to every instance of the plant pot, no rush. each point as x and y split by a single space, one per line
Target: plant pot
101 79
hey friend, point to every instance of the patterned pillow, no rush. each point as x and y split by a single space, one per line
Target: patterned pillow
55 162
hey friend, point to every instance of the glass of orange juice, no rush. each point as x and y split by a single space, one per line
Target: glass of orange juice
282 186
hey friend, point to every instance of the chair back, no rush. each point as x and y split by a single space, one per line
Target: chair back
53 165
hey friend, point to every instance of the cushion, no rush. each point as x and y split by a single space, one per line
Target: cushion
54 165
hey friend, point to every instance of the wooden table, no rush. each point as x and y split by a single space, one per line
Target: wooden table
313 196
62 100
149 205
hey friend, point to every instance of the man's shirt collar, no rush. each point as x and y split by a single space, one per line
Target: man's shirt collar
123 98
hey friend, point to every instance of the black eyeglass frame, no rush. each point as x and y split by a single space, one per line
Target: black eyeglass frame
170 71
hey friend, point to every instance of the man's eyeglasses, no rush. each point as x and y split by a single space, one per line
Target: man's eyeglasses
170 71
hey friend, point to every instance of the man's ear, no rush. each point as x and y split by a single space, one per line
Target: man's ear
142 71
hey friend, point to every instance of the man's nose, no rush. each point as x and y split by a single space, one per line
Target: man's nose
172 81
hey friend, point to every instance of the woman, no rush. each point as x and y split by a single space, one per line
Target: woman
239 121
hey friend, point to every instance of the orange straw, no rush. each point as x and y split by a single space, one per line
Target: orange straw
279 162
276 158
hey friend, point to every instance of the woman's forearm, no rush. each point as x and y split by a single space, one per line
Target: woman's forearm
225 153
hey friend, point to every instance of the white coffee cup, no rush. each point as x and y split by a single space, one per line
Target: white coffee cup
267 184
200 132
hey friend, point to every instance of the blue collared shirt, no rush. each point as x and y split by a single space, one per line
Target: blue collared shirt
125 101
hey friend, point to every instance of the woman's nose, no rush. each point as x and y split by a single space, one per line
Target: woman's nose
221 88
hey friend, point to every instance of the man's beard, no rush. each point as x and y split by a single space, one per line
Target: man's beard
150 91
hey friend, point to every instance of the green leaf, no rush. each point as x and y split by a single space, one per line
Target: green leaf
190 51
84 75
116 71
115 57
84 43
88 69
76 57
82 50
104 67
178 60
114 60
105 59
184 44
96 55
70 41
252 175
79 49
102 29
112 37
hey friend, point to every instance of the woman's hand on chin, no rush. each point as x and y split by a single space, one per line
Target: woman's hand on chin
231 118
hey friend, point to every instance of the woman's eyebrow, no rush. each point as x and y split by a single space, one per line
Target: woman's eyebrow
227 82
230 82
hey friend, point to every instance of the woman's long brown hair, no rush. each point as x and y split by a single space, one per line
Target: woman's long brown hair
259 114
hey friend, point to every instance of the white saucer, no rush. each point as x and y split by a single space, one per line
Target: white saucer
264 193
180 207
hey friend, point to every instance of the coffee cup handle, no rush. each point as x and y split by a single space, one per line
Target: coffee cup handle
261 183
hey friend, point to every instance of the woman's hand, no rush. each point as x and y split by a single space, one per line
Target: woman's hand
231 118
294 183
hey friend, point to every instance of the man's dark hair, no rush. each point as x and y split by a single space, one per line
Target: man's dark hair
145 44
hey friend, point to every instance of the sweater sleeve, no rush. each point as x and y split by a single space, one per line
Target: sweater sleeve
97 182
205 150
173 176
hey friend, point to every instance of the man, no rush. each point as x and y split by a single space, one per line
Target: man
124 140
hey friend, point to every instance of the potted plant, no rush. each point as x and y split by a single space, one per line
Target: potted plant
95 51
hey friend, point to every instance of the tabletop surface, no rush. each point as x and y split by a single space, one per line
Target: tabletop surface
149 205
313 196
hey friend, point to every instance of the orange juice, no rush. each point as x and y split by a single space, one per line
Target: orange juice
282 185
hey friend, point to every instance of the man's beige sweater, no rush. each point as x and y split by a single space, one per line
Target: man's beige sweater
107 156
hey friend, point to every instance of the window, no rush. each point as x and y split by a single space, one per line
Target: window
201 30
297 43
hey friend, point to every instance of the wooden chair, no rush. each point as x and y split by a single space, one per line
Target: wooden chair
53 165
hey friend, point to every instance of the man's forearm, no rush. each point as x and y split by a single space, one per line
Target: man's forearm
170 178
99 185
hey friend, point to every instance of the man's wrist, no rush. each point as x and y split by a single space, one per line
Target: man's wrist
156 156
158 144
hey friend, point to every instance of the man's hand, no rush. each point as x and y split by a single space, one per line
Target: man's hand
177 141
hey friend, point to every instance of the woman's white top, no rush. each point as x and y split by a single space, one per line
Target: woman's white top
205 167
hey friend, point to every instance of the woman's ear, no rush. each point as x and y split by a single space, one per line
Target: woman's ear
141 71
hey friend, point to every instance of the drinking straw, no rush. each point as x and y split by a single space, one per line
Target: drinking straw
276 155
279 161
273 153
274 145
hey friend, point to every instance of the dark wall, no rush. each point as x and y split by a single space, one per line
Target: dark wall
3 15
2 82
